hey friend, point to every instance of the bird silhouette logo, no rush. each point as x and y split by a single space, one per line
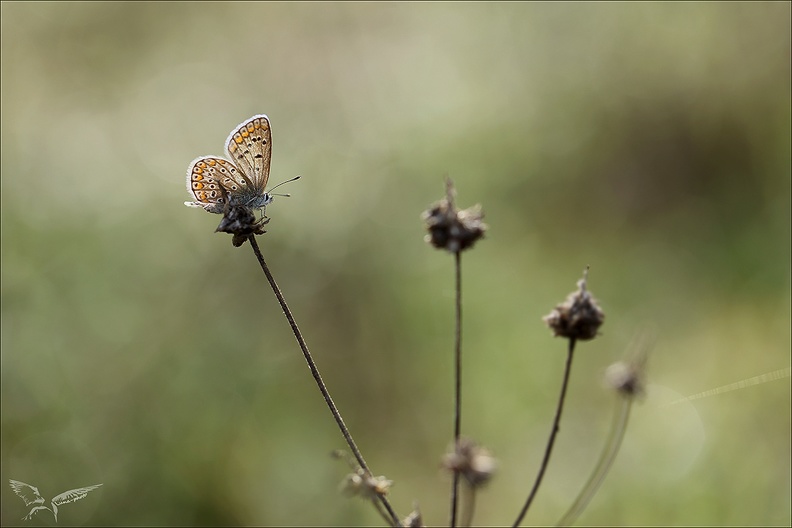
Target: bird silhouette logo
31 496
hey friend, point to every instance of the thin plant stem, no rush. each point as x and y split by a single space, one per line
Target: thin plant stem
378 505
604 463
553 433
469 505
457 382
318 378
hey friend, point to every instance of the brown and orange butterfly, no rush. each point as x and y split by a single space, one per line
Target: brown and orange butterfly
241 179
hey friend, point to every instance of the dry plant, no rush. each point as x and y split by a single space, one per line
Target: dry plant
237 192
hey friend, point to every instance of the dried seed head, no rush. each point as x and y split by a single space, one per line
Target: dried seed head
451 229
627 376
578 317
362 484
414 520
241 222
475 463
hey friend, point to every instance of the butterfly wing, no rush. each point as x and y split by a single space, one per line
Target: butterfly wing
210 179
249 146
73 495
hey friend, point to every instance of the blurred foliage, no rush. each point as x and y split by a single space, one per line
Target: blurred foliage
650 141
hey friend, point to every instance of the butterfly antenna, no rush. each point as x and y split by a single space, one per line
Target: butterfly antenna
281 183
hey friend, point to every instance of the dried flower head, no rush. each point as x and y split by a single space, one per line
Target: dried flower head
363 484
475 463
414 520
627 376
624 378
451 229
360 482
241 222
578 317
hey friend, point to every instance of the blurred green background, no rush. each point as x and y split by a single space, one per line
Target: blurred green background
140 350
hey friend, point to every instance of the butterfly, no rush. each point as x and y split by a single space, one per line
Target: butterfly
239 181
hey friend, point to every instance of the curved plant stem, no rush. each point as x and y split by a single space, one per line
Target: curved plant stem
604 463
457 382
553 433
315 372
